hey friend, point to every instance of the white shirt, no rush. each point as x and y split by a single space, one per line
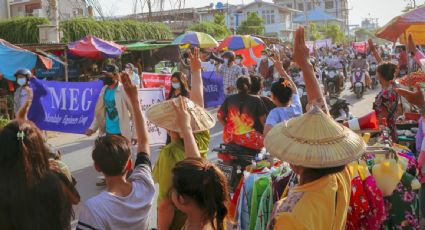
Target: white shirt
208 66
108 211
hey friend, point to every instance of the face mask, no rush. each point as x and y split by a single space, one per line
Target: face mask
21 81
359 57
175 85
212 61
108 81
263 56
226 61
238 61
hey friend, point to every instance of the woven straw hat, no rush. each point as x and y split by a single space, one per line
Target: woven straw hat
314 140
164 115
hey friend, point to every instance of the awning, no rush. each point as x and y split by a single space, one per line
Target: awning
95 48
13 58
141 46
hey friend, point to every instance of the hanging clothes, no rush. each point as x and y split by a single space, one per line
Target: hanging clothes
265 209
402 206
359 205
376 214
259 188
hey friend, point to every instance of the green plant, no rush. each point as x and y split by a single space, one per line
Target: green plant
117 30
253 25
314 32
3 122
334 32
219 19
21 30
215 30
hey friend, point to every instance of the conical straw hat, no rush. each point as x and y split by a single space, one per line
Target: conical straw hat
314 140
164 115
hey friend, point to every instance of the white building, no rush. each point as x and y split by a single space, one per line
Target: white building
67 8
277 18
4 11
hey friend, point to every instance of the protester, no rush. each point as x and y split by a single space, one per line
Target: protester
360 63
33 195
244 69
113 110
243 116
173 153
230 72
23 94
179 86
264 64
134 76
256 89
199 188
126 203
317 149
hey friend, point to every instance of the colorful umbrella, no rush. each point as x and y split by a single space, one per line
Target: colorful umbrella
196 39
13 58
95 48
238 42
412 22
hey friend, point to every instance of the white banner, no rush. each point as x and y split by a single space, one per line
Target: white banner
148 97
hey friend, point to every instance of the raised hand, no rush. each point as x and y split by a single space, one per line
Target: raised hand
183 116
195 61
371 45
411 44
129 88
415 98
301 52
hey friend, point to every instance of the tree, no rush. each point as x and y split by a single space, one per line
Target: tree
314 32
213 29
363 34
253 25
21 30
334 32
219 19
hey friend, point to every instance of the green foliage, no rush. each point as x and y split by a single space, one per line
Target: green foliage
364 34
334 32
219 19
21 30
3 122
314 32
253 25
213 29
115 30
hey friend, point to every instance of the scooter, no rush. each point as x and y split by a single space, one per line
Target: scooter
359 82
233 159
330 81
372 73
339 109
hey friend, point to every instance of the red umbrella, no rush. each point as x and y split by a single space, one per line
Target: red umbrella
95 48
412 22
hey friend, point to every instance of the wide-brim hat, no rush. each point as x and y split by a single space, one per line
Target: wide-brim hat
163 115
314 140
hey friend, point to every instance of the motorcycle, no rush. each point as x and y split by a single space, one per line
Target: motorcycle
233 159
359 82
372 73
330 81
339 109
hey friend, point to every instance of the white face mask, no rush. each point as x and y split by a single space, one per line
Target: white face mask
263 56
21 81
238 61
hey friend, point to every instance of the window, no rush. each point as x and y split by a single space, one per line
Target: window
300 6
309 6
329 4
268 16
289 5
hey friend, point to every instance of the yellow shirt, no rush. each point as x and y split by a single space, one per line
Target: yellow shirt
312 205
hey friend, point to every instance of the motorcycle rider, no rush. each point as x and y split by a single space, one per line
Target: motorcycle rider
360 62
333 61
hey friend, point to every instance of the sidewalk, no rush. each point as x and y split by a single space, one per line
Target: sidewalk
58 139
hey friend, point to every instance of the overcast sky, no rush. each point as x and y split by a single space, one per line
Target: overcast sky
384 10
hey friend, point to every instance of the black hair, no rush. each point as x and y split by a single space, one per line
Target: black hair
184 86
387 70
243 84
204 183
316 173
256 83
111 154
281 92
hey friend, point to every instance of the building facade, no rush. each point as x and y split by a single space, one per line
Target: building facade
40 8
337 8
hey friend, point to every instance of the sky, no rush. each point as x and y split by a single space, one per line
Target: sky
384 10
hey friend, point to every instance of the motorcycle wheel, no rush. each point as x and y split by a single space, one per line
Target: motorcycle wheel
358 94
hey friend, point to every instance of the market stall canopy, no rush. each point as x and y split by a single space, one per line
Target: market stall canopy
95 48
238 42
141 46
412 22
196 39
13 58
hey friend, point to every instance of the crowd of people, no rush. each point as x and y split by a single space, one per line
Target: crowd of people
37 191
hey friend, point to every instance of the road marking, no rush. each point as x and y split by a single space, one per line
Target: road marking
217 134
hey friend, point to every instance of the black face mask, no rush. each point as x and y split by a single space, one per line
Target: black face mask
108 80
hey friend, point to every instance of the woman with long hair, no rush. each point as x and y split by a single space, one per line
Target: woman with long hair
179 86
32 196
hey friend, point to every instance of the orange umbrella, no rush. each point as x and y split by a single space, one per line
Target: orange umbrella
412 22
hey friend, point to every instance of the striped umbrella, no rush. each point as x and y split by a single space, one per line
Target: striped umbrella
196 39
238 42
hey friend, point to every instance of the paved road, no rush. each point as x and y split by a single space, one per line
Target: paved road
76 149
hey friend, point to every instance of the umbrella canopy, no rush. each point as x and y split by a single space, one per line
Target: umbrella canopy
238 42
196 39
95 48
141 46
412 22
13 58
